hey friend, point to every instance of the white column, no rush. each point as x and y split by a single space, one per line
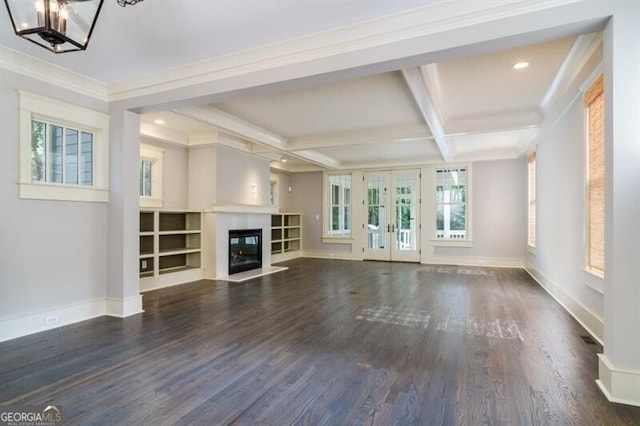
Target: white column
123 284
619 366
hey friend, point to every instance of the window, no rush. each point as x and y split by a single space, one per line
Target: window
339 205
451 204
151 176
60 154
273 191
594 106
63 150
531 218
146 170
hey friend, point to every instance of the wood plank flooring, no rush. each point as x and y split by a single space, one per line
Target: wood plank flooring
325 343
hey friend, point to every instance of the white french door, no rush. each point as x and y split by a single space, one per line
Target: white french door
392 209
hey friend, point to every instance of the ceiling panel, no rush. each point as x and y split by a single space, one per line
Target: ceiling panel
480 92
410 152
373 101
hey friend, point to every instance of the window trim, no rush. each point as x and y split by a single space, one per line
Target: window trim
41 108
448 242
156 156
327 205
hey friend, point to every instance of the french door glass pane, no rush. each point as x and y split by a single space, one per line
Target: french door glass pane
377 211
406 205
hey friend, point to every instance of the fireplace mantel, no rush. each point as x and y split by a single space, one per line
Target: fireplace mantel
242 208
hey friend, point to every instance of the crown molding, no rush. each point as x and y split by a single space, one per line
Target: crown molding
381 32
28 66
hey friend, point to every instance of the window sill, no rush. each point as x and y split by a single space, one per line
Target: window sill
150 202
594 280
338 240
452 243
44 191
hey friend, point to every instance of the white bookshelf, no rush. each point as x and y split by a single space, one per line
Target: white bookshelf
285 236
170 248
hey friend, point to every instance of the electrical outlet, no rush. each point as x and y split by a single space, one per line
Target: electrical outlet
51 319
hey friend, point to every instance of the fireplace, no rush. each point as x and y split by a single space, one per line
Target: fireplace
245 250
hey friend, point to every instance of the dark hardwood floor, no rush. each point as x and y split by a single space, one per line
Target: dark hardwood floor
326 342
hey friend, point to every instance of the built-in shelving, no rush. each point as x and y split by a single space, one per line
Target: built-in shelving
170 248
285 236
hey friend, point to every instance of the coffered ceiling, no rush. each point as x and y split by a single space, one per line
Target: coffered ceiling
481 107
468 105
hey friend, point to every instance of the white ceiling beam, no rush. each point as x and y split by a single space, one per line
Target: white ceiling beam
234 125
428 109
164 134
317 158
361 137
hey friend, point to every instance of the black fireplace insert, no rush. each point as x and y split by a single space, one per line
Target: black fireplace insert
245 250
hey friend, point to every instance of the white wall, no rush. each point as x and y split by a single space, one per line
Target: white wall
52 253
499 217
202 180
307 200
559 259
499 199
237 173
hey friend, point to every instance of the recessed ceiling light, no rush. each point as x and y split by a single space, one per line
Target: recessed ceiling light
284 160
159 122
520 65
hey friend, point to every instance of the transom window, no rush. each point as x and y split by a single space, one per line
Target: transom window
61 154
64 150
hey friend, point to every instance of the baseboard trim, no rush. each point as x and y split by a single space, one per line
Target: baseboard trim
335 255
122 308
492 262
587 319
620 386
174 278
35 323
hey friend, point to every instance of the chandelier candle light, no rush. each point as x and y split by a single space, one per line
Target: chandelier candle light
57 25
